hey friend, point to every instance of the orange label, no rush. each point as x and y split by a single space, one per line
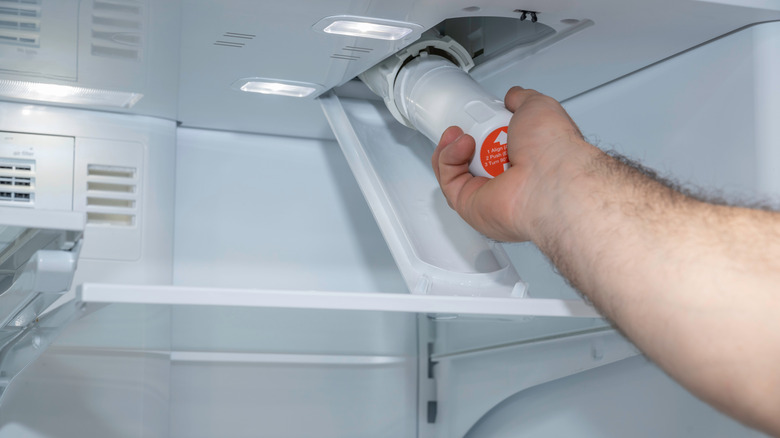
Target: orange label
493 154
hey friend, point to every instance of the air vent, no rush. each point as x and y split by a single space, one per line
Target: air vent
17 183
111 195
117 28
351 53
20 22
234 39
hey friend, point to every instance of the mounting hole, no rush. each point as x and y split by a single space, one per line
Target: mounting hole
472 9
570 21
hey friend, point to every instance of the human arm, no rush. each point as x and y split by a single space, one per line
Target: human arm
695 286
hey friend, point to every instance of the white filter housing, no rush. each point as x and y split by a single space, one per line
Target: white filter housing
426 87
433 94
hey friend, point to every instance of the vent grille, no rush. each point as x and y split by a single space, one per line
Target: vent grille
351 53
117 27
234 39
17 183
111 195
20 22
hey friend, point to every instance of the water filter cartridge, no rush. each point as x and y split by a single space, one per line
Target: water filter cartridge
432 94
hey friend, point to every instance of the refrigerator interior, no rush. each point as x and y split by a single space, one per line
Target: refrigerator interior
236 277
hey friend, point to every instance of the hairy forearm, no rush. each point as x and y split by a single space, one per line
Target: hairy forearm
696 286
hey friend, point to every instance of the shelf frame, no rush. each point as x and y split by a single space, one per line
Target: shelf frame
329 300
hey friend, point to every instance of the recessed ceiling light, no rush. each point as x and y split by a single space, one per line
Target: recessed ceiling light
367 30
367 27
276 87
58 93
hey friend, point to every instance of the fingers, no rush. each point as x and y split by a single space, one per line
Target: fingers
517 96
451 165
449 136
454 160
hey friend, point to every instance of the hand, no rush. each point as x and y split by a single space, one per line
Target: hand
541 135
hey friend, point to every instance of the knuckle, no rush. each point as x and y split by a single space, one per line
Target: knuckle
450 203
541 98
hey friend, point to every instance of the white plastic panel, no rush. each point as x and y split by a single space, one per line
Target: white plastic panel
270 212
624 37
132 46
771 5
705 118
107 375
116 143
766 43
277 39
70 394
469 384
55 220
293 399
108 187
248 330
292 372
111 50
44 163
627 398
39 39
327 300
436 251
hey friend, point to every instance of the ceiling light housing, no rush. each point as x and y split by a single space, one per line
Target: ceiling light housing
367 27
277 87
68 94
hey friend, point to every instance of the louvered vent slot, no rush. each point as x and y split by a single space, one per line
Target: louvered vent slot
20 22
351 53
234 39
17 183
111 195
117 28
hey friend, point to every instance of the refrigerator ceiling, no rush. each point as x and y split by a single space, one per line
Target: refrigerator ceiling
185 56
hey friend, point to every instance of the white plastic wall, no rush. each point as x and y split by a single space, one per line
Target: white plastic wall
269 212
273 212
628 398
108 376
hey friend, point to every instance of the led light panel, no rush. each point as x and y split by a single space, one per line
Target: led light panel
278 87
67 94
364 29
